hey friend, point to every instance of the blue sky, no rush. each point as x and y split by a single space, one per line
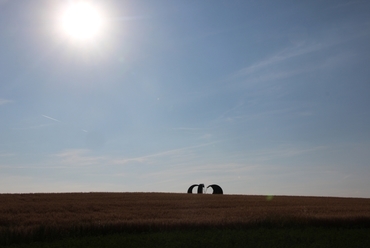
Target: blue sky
260 97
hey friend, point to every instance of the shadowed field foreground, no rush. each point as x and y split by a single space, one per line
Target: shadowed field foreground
32 217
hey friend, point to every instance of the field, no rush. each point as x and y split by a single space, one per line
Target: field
29 218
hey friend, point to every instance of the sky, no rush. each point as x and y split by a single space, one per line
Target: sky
259 97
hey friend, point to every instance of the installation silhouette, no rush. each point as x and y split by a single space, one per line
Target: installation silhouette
200 188
216 189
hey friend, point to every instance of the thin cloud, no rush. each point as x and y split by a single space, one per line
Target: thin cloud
4 101
231 111
285 151
278 58
186 128
77 157
200 132
296 51
274 74
218 168
128 160
33 166
206 136
243 115
51 118
169 153
7 154
208 168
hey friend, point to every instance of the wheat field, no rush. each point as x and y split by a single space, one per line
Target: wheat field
42 216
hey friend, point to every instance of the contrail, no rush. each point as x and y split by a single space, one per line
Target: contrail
51 118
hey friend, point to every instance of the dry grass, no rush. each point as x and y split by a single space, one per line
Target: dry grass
43 216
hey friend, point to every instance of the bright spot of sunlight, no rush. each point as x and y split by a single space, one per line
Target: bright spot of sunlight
82 21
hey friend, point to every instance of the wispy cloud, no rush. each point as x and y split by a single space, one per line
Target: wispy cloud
186 129
244 114
282 63
51 118
206 168
198 133
174 153
77 157
190 164
7 154
181 177
277 58
4 101
286 151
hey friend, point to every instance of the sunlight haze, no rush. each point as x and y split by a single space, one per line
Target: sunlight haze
258 97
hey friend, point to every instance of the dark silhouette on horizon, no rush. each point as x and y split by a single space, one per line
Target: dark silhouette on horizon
216 189
200 188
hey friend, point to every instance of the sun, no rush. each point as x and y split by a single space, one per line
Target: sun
82 21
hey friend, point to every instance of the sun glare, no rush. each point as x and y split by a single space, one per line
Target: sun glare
82 21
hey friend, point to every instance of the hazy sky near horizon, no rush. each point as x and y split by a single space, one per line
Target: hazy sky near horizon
259 97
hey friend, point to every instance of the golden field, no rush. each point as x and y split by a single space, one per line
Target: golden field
33 216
